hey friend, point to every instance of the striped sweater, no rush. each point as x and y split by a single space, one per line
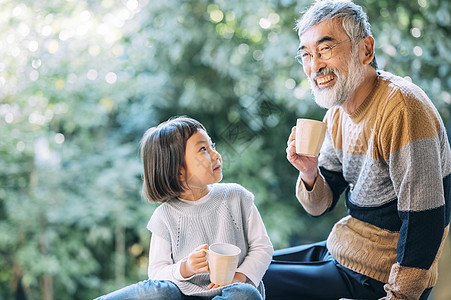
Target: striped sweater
392 159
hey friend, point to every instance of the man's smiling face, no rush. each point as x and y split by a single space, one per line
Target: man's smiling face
335 79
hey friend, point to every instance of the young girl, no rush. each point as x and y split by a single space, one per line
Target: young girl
182 169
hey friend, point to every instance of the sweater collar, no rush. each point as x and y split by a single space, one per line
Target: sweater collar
199 201
360 112
203 203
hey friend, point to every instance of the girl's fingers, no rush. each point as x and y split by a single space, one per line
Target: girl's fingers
203 246
202 264
199 259
202 269
213 286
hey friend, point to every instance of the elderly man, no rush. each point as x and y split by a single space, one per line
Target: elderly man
386 148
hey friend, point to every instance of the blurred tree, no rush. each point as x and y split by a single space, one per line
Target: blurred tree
82 80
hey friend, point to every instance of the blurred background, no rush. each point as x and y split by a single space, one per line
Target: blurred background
81 81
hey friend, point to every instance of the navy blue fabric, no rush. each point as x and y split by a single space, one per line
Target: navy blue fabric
421 232
310 272
447 193
420 237
418 247
384 216
337 184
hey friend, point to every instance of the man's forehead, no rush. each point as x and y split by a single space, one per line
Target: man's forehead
330 30
323 39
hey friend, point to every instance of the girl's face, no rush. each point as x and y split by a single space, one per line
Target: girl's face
203 162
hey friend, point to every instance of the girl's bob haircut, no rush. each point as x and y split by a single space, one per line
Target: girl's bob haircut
163 156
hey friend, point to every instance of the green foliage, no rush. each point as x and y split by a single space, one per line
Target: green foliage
82 80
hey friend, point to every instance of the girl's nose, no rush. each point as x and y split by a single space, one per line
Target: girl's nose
215 155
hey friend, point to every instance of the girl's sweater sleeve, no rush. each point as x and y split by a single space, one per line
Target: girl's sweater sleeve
260 250
161 266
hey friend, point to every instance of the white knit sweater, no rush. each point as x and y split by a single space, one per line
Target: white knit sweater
222 218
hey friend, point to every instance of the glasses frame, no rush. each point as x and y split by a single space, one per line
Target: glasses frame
298 56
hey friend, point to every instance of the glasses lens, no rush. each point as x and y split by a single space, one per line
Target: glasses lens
326 53
299 59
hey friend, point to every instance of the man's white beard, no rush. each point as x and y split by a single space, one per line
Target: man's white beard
344 86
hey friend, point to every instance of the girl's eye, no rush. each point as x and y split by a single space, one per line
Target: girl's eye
203 149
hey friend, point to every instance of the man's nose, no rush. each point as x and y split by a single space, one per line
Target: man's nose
317 63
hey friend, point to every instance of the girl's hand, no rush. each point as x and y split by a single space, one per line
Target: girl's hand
238 278
196 262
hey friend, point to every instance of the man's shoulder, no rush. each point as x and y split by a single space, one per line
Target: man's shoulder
399 87
401 94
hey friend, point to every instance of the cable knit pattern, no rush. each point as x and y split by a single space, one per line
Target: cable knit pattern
393 160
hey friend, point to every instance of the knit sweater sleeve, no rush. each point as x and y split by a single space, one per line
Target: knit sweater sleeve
316 201
260 249
411 148
158 224
330 183
161 265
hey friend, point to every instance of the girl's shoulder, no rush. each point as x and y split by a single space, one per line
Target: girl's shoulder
230 187
164 208
232 190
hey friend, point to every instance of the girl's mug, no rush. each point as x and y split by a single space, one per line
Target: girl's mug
222 261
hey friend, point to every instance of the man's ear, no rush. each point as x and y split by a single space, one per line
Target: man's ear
367 50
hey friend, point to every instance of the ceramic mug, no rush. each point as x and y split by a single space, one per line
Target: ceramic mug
222 261
309 136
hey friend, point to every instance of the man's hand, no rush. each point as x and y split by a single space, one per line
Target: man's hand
196 262
308 166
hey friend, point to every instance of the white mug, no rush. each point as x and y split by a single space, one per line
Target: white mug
222 262
309 136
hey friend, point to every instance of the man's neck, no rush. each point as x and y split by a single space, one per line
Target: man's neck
361 92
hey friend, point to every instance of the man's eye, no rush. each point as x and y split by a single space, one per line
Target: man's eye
323 49
305 54
213 145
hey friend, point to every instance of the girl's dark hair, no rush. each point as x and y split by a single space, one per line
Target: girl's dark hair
163 155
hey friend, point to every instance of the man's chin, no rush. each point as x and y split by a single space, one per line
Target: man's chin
324 99
323 104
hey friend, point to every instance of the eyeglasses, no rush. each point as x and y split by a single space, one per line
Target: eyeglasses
323 51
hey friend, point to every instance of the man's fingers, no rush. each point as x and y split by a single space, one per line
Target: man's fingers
292 135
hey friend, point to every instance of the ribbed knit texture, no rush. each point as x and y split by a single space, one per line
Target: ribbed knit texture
393 158
221 219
